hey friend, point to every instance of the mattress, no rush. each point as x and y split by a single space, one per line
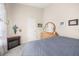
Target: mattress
53 46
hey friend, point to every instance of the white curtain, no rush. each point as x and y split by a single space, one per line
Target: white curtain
3 31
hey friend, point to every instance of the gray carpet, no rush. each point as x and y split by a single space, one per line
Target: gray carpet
17 51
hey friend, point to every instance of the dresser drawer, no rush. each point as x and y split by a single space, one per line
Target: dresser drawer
13 42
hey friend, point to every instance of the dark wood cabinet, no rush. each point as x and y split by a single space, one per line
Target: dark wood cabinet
13 42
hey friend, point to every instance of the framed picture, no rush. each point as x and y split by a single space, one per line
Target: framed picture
61 23
73 22
39 25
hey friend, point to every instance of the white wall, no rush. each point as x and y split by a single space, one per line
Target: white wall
26 18
62 13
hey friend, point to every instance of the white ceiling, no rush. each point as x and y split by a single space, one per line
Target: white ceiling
38 5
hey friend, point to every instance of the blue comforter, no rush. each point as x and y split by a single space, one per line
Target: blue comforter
57 46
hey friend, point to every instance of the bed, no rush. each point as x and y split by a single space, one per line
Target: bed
53 46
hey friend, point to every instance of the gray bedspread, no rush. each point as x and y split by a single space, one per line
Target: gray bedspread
58 46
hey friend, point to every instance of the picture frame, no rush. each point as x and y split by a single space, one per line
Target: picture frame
39 25
73 22
62 23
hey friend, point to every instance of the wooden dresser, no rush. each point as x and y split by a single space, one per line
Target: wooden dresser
13 42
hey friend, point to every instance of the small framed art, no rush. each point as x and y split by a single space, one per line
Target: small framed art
73 22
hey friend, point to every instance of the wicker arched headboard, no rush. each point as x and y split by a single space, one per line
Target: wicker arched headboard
54 27
45 34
